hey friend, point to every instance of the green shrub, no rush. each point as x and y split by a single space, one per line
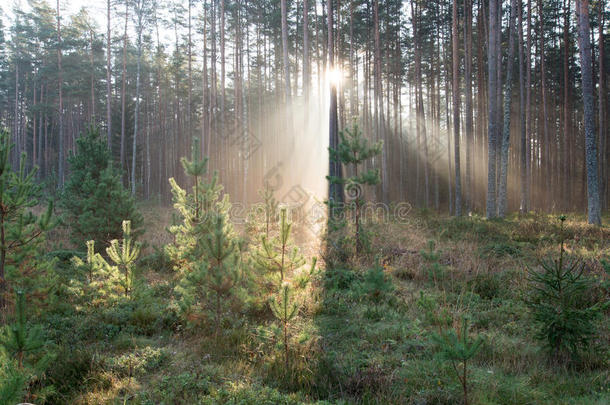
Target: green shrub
339 278
71 371
139 361
487 285
376 285
435 271
561 306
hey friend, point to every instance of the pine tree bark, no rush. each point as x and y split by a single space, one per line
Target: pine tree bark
123 94
285 55
335 192
306 67
60 170
492 69
455 91
139 4
108 81
522 115
503 186
566 105
603 94
468 94
584 45
546 146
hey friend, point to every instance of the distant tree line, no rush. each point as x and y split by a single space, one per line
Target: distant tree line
485 105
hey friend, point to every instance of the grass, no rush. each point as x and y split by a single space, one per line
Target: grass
350 345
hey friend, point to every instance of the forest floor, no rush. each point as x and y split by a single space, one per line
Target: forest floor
350 343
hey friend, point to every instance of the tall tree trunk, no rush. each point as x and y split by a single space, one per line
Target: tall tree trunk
123 94
546 147
108 81
222 67
306 67
584 44
481 113
603 94
455 92
379 102
335 192
139 4
190 77
503 186
60 170
204 90
468 90
492 62
528 107
522 116
566 105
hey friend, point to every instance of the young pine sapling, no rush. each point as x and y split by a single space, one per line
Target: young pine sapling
285 308
276 255
458 348
18 339
124 255
21 232
353 151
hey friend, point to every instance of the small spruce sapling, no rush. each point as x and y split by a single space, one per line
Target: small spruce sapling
458 348
124 254
353 151
560 303
285 308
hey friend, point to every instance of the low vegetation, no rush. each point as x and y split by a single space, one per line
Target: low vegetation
431 310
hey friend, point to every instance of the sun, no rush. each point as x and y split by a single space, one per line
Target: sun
335 77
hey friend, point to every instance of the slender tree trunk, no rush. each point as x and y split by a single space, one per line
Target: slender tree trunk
306 67
528 107
190 76
204 90
584 44
566 104
108 81
285 55
481 114
92 77
603 94
522 116
222 64
492 61
140 15
123 94
546 156
503 186
60 170
456 107
335 192
468 91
